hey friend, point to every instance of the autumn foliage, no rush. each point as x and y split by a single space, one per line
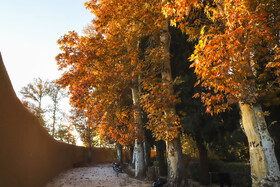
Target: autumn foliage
101 66
236 60
238 47
119 71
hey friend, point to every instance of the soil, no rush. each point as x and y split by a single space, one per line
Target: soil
101 175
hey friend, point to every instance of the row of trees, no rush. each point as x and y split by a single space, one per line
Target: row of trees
123 75
43 98
46 99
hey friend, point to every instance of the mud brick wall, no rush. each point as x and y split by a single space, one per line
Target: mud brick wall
29 156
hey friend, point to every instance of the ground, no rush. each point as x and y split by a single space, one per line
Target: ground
101 175
96 176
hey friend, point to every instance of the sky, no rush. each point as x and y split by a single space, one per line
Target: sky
29 30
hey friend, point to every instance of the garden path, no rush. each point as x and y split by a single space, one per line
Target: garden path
101 175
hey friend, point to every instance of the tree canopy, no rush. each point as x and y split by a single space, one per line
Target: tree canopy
122 65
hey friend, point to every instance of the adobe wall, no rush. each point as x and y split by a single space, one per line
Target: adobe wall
102 155
29 156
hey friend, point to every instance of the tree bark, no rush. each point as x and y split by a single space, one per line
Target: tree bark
139 148
264 165
139 159
119 153
203 163
54 117
89 144
176 166
160 158
147 153
131 153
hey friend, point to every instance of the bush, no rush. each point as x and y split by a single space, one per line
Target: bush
239 172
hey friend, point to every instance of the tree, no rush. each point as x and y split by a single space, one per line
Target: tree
139 142
84 127
34 110
112 58
176 171
159 101
271 108
123 29
205 132
65 134
238 43
107 60
30 106
35 92
56 93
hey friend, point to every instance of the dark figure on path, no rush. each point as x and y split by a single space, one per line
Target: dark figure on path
117 167
159 182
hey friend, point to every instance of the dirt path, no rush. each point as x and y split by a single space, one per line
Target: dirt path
96 176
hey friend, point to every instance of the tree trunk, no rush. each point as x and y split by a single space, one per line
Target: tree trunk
88 135
89 144
131 152
176 166
139 159
264 166
147 153
160 158
40 103
203 163
54 118
89 155
139 148
119 153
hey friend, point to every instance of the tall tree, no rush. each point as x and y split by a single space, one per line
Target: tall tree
122 29
56 94
103 64
82 124
176 170
236 39
131 21
139 142
97 84
34 110
65 134
35 92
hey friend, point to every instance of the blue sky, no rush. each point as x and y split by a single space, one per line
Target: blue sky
29 30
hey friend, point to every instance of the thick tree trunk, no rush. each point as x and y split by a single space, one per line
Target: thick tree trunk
160 147
147 153
119 153
176 166
139 159
138 147
203 163
264 166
